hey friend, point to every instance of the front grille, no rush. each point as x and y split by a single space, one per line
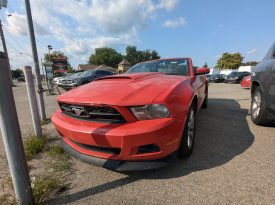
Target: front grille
107 150
92 113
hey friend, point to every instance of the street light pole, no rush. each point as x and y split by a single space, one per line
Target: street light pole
36 62
5 50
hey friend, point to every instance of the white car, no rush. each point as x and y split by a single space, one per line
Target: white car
58 80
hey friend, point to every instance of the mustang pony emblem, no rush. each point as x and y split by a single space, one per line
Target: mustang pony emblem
78 110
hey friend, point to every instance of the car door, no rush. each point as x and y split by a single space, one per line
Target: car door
199 85
271 94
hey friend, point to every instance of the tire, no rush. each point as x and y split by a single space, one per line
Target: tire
187 141
205 101
258 108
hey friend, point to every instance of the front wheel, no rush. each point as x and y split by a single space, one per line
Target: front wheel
187 141
258 108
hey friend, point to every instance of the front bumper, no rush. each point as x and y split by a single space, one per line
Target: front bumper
81 137
69 86
119 165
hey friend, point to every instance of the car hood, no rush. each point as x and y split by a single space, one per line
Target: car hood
126 89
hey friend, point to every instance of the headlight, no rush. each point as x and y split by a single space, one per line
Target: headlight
76 81
148 112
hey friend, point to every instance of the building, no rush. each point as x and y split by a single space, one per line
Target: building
123 66
59 64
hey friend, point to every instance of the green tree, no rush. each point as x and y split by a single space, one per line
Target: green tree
48 57
229 61
106 56
205 65
135 56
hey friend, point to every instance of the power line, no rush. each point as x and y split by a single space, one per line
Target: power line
19 44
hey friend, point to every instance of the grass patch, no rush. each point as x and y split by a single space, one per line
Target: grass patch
33 145
56 151
60 162
44 186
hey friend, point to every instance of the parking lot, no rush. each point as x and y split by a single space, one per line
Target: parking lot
232 162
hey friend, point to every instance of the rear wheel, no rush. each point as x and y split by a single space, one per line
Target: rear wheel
258 108
187 141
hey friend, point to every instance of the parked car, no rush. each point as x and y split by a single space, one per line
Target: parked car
246 82
216 78
58 80
208 76
21 79
236 77
83 78
263 90
135 121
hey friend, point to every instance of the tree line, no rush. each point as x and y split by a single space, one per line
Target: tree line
110 57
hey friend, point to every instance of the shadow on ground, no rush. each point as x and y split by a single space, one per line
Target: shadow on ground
222 133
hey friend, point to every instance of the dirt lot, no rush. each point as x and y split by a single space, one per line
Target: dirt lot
232 163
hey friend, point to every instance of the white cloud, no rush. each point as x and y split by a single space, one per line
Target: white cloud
167 4
252 51
83 25
181 21
17 24
218 56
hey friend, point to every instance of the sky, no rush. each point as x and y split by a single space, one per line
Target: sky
199 29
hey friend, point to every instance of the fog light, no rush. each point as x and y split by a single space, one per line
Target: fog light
148 149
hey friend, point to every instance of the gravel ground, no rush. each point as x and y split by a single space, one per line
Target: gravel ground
232 163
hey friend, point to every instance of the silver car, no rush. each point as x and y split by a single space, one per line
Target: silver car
263 90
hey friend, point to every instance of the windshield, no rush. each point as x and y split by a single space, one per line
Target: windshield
169 67
86 73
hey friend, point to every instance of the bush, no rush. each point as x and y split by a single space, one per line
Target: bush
33 145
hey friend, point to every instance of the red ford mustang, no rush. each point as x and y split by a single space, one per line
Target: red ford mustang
136 121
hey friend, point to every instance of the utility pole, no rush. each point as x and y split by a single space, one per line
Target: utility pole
36 62
12 139
5 50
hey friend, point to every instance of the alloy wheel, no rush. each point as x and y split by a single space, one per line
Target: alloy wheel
256 104
191 128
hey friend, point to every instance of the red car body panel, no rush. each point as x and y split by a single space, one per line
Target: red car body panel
246 82
120 92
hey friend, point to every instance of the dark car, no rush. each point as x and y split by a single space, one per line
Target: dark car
208 76
263 90
217 78
236 77
83 78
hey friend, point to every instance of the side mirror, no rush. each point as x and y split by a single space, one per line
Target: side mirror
202 71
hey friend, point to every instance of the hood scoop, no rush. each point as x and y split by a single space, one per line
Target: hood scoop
132 76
